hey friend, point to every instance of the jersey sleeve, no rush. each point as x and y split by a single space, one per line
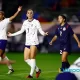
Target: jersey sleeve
40 29
19 32
70 31
7 20
56 32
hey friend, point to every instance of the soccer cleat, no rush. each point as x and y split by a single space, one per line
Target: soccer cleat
10 71
38 73
60 70
29 76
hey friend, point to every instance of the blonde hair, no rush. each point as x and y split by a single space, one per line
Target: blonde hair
30 10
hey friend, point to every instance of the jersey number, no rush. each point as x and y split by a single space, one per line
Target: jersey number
60 33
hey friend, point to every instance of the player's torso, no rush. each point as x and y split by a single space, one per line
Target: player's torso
3 29
31 32
64 35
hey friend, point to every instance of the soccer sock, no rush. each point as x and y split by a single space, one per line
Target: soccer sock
33 64
67 65
37 69
6 58
0 58
28 62
63 66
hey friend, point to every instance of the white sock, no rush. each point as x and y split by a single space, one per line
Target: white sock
0 59
37 69
28 62
33 64
6 58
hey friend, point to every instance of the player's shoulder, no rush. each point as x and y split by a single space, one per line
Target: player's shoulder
35 20
25 21
67 25
5 19
57 26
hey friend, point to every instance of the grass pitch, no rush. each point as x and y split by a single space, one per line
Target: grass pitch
48 63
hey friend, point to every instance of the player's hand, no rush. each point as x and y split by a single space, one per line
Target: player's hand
79 44
50 43
9 34
19 8
46 33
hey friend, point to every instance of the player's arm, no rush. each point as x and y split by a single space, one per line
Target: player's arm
55 36
53 39
77 39
74 35
40 29
17 33
12 17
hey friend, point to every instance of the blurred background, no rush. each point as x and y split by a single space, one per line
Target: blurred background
46 11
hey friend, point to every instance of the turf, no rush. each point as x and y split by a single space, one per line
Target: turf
49 63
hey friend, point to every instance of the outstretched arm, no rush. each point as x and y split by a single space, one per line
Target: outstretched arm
16 33
12 17
40 29
74 35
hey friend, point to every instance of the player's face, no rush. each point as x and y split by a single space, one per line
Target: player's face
1 16
30 14
60 19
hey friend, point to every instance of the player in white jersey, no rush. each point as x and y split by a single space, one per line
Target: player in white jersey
3 38
31 26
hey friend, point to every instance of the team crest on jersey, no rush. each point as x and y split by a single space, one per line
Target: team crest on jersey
64 29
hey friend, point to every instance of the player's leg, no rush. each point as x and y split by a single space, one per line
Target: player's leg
4 59
2 51
27 55
33 50
7 62
64 58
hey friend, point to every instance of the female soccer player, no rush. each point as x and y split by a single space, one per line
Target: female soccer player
31 26
3 38
64 32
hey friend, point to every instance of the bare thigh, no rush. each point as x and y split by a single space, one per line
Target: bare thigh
33 50
26 53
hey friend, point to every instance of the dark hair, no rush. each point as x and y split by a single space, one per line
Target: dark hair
2 12
63 16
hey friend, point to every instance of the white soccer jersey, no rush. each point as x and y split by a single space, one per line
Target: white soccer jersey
31 28
3 28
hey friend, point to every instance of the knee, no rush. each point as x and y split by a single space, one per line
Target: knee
64 59
25 59
32 57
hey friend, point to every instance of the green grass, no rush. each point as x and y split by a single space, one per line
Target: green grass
49 63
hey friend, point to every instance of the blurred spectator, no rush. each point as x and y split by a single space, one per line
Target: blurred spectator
67 3
74 19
